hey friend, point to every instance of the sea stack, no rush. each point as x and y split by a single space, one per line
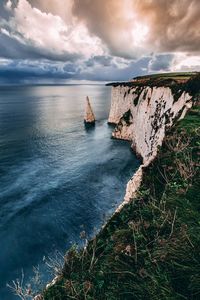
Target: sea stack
89 118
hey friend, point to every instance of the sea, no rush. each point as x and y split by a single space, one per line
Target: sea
57 177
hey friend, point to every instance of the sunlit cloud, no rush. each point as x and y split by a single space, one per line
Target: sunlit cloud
45 30
4 31
186 62
8 5
139 33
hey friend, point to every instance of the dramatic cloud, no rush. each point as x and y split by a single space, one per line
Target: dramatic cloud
118 70
130 26
13 48
98 40
174 24
116 23
49 32
48 71
23 70
186 62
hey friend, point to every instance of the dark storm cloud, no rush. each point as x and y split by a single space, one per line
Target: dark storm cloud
114 73
21 71
161 62
99 60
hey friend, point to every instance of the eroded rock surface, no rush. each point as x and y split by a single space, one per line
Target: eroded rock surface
142 115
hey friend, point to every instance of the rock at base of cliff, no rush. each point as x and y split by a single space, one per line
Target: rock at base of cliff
89 125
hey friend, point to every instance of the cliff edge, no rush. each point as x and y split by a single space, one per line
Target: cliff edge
144 108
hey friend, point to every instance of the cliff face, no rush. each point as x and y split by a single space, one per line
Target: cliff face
142 114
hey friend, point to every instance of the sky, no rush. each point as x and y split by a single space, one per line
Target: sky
68 41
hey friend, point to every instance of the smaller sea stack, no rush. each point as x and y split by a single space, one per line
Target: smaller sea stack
89 118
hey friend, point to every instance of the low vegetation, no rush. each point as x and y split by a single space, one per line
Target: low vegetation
177 81
151 249
169 75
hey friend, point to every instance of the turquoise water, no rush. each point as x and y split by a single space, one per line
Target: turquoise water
56 177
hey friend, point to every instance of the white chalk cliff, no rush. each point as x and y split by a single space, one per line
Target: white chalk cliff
89 117
142 114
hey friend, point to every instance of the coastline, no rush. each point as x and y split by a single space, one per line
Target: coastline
134 185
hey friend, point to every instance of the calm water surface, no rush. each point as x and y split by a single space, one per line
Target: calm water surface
55 176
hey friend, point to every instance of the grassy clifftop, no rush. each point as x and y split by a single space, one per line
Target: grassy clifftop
151 249
181 80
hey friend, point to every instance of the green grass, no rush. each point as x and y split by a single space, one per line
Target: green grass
173 75
176 81
151 249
